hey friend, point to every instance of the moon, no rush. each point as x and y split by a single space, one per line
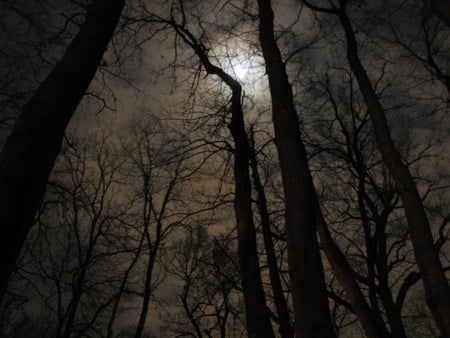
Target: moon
240 71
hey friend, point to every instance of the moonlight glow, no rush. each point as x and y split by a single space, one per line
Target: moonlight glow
234 58
240 70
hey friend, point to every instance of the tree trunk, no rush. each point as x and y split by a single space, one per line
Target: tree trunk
77 293
153 247
373 328
311 312
257 313
147 293
31 150
437 290
284 318
393 312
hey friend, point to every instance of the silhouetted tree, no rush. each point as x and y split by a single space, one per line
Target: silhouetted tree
257 315
31 149
435 282
282 308
311 313
210 285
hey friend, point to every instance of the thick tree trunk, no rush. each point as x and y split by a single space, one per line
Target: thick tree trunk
30 151
311 312
437 290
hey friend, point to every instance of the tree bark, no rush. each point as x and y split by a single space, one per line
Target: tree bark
437 290
311 312
30 151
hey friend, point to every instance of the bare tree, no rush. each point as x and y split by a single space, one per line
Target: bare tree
282 308
160 170
143 242
435 282
311 312
257 315
30 151
73 249
426 43
210 284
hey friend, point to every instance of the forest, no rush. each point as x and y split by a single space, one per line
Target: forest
225 168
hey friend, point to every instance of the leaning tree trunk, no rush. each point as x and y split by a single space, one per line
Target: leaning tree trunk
31 150
373 328
437 290
311 312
